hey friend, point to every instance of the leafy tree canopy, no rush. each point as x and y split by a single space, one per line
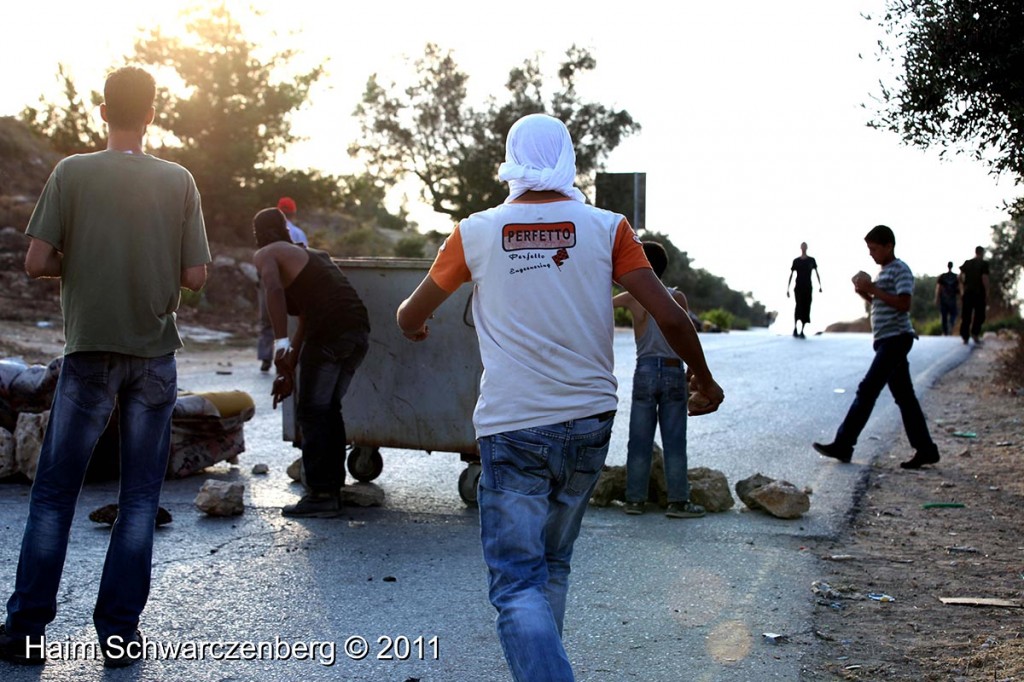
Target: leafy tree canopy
229 117
223 112
960 82
1006 260
429 131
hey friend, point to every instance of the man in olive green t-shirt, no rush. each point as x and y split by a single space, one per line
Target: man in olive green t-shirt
124 232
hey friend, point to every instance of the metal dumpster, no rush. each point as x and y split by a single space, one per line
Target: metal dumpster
415 396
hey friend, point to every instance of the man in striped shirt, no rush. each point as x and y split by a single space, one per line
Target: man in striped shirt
890 296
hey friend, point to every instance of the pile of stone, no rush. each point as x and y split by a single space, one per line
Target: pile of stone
708 488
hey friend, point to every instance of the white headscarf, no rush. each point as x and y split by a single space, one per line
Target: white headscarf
539 156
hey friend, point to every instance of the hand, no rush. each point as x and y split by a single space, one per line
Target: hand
418 335
284 360
787 293
819 290
283 386
705 397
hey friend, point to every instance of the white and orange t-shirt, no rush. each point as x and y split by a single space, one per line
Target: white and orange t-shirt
542 274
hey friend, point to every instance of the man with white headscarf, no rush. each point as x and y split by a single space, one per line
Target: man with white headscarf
542 264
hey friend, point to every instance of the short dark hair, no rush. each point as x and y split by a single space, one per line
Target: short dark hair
657 256
978 250
129 94
949 264
269 227
880 234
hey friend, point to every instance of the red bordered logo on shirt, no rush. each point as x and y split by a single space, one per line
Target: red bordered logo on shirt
518 237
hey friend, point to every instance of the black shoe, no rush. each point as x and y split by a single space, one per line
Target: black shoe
315 506
684 510
921 458
633 508
834 451
16 650
121 653
265 367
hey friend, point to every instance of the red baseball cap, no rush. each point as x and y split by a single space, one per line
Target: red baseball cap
286 205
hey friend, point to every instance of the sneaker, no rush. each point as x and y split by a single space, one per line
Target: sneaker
122 654
834 451
684 510
315 506
16 650
265 367
634 508
921 458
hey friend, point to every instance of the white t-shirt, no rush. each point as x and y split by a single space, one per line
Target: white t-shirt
542 273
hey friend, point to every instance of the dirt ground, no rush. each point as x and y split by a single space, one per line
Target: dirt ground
952 530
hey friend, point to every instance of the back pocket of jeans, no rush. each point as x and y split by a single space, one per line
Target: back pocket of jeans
160 383
589 462
84 381
519 466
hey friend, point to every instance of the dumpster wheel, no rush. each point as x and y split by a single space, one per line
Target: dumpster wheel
468 480
365 463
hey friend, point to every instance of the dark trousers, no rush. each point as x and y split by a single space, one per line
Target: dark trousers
973 314
890 367
947 308
325 373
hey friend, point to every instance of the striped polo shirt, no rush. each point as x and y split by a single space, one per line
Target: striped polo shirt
896 279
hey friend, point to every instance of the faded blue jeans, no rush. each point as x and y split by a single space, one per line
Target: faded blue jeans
660 393
90 383
533 492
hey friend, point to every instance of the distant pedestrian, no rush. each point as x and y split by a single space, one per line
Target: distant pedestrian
660 393
947 297
542 265
124 232
974 280
890 297
803 265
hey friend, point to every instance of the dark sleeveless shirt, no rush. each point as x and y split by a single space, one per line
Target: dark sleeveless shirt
331 308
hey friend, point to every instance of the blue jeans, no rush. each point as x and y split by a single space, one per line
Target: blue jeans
325 372
534 489
660 393
90 383
890 367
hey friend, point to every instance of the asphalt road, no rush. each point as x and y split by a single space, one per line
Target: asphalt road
652 599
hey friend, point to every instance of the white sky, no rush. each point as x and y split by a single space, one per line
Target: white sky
753 140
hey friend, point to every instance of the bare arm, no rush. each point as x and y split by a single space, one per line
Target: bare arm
194 278
273 290
818 275
42 259
413 313
789 282
675 324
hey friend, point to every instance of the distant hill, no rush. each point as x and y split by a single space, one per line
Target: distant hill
26 160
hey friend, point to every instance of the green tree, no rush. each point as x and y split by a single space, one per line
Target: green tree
960 82
71 126
429 131
230 117
1006 261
